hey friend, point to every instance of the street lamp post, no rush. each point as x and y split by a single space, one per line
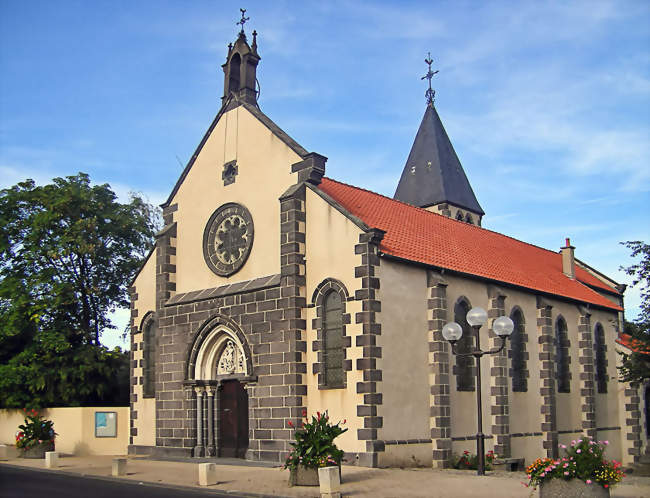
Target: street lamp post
452 332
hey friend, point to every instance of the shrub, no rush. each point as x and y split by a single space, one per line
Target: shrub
35 430
584 460
314 443
469 461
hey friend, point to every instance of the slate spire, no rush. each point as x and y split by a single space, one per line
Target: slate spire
433 174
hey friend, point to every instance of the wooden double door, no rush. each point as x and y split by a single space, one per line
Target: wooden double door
233 420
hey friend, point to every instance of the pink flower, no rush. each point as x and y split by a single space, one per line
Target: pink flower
563 446
605 443
566 473
578 451
588 481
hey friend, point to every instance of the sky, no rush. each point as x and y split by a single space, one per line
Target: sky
547 103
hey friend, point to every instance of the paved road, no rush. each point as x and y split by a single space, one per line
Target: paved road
20 482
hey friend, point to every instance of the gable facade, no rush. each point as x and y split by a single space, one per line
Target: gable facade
272 293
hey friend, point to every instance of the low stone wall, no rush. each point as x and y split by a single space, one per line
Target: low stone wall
75 428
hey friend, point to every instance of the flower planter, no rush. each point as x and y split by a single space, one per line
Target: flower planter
37 451
305 476
575 488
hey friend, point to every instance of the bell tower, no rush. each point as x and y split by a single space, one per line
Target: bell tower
240 68
433 177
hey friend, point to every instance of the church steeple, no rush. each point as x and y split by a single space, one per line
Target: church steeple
240 68
433 177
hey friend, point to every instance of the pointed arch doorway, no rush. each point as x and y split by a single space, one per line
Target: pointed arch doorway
219 369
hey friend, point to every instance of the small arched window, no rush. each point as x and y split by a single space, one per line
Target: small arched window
459 215
233 81
600 358
464 368
518 352
333 340
149 358
468 219
562 360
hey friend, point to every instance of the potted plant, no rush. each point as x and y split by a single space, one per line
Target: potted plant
313 448
36 436
582 472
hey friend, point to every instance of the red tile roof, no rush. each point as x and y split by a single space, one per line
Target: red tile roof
418 235
633 344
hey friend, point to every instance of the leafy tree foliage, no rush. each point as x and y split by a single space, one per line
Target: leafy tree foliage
636 364
67 253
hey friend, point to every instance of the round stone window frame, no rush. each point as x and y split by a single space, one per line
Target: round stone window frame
209 235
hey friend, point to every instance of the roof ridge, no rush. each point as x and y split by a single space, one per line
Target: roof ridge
446 217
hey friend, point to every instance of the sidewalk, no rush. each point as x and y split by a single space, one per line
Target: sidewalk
356 481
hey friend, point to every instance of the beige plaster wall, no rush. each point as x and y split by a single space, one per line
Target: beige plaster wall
525 407
463 404
404 362
406 455
607 405
264 173
145 407
145 285
329 252
75 428
568 404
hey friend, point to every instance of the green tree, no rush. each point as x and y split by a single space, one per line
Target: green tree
67 253
635 366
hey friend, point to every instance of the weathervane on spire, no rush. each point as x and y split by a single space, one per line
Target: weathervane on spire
243 20
430 93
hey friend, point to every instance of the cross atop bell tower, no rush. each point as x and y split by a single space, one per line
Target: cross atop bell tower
240 68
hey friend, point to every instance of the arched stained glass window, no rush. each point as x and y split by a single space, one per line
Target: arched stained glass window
333 338
518 352
562 359
464 368
600 358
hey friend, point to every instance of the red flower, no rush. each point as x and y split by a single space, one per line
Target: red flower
304 412
345 420
318 413
289 423
606 485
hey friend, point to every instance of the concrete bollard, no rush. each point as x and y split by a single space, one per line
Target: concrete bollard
51 459
3 452
329 480
119 467
207 474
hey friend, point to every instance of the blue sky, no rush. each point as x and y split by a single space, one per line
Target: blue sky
547 103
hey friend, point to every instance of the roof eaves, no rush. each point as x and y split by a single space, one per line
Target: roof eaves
190 163
481 278
144 262
231 103
276 130
597 273
327 198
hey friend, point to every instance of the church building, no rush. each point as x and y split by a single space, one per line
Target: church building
274 291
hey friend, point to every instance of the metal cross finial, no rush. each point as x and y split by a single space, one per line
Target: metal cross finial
243 20
430 93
